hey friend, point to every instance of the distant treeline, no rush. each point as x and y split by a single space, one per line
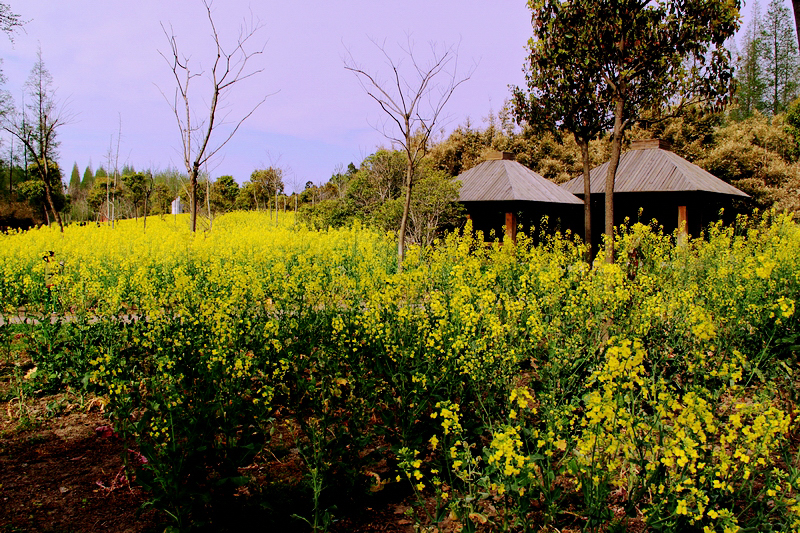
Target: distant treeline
757 153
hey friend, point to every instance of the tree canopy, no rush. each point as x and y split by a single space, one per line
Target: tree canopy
632 57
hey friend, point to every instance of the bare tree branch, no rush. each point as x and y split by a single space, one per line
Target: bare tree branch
229 68
409 104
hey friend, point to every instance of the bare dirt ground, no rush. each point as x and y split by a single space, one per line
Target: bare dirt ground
62 473
63 476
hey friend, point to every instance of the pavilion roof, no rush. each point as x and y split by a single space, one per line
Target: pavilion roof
506 180
648 167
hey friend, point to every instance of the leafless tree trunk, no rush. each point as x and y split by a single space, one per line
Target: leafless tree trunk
229 68
148 190
208 202
413 104
116 175
113 162
11 168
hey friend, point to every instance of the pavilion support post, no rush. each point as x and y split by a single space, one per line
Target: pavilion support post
683 225
511 227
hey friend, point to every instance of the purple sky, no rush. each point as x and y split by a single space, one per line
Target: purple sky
105 62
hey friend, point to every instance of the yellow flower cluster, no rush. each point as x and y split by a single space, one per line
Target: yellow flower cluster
661 374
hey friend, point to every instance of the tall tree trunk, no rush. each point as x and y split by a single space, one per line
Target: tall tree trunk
11 169
48 194
775 52
587 199
401 238
193 196
616 148
208 204
796 9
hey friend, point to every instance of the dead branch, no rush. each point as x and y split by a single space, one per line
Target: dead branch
230 67
413 104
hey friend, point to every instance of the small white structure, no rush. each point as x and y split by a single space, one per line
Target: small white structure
176 206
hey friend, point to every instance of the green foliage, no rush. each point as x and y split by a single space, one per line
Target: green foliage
268 182
136 185
35 193
259 192
103 190
433 206
160 199
32 192
330 213
378 179
224 192
247 197
621 59
792 126
558 160
750 82
202 189
88 178
373 195
767 69
563 96
74 180
757 156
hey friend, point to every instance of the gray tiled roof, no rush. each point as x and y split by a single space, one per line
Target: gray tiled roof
653 170
505 180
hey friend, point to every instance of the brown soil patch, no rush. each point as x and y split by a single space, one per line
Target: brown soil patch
50 479
63 475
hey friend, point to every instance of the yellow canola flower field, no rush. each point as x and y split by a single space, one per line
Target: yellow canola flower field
510 381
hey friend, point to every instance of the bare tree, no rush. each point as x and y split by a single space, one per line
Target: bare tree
414 104
229 68
112 160
35 125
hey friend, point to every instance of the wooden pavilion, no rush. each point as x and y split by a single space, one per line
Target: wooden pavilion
501 194
665 186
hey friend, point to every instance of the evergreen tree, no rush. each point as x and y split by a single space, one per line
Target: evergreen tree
88 178
74 180
750 82
101 173
781 65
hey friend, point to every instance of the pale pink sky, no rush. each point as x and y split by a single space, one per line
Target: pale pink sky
103 55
